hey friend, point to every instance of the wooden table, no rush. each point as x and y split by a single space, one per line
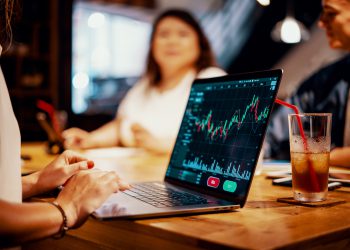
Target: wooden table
263 223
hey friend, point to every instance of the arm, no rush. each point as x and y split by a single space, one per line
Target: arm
340 157
105 136
23 222
82 194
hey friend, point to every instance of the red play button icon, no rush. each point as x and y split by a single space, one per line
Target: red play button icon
213 182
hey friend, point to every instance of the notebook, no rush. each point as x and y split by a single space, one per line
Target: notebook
215 153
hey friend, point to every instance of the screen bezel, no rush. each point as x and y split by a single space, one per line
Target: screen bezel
242 76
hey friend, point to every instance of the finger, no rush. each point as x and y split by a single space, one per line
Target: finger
109 180
74 157
73 132
113 179
82 165
67 133
123 185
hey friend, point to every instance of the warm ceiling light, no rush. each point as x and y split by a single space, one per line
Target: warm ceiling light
264 2
289 30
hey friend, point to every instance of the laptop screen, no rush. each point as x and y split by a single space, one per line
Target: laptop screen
222 131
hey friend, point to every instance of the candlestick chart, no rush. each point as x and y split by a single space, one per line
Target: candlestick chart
222 131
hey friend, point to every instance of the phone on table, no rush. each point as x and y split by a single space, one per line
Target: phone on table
287 182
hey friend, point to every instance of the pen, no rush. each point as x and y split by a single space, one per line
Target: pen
41 117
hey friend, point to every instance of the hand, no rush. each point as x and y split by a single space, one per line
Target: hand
75 138
55 174
85 192
144 139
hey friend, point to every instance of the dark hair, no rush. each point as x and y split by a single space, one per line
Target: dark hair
206 57
6 13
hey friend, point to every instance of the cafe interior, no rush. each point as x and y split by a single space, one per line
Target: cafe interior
71 63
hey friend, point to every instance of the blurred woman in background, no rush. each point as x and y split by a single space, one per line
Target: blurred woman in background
150 115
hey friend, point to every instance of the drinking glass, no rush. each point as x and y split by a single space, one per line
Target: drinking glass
310 139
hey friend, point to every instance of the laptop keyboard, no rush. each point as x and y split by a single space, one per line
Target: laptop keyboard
159 195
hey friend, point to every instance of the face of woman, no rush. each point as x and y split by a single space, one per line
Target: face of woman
335 19
175 44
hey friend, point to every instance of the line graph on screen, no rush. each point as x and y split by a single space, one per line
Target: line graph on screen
220 129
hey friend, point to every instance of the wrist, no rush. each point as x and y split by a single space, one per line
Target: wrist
64 225
89 141
30 185
70 212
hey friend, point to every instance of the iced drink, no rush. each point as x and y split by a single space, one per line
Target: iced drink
310 156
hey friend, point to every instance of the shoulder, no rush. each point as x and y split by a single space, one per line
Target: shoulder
139 87
327 77
211 72
134 94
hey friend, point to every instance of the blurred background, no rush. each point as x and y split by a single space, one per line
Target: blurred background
83 56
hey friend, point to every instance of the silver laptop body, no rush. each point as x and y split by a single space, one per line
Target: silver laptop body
215 154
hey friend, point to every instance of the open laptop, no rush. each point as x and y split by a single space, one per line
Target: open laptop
215 153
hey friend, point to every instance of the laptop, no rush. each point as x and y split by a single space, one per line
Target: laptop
215 153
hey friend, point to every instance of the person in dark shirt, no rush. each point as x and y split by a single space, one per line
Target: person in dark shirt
326 91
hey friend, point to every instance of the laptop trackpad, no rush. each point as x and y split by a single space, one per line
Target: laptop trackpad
120 204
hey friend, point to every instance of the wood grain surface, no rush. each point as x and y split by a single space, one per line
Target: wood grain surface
263 223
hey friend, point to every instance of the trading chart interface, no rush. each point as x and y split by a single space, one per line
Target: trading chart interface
221 134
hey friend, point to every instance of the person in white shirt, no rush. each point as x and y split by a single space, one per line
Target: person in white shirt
84 190
150 115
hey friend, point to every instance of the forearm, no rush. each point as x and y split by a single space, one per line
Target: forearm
105 136
340 157
29 185
20 223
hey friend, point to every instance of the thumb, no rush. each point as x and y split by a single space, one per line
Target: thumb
82 165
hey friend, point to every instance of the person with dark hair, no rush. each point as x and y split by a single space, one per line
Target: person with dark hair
149 116
326 91
84 190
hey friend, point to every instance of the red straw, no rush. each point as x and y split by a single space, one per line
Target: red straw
313 176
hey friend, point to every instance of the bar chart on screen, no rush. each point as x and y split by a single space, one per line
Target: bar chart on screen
221 132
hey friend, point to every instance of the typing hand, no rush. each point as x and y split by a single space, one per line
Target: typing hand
55 174
85 192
